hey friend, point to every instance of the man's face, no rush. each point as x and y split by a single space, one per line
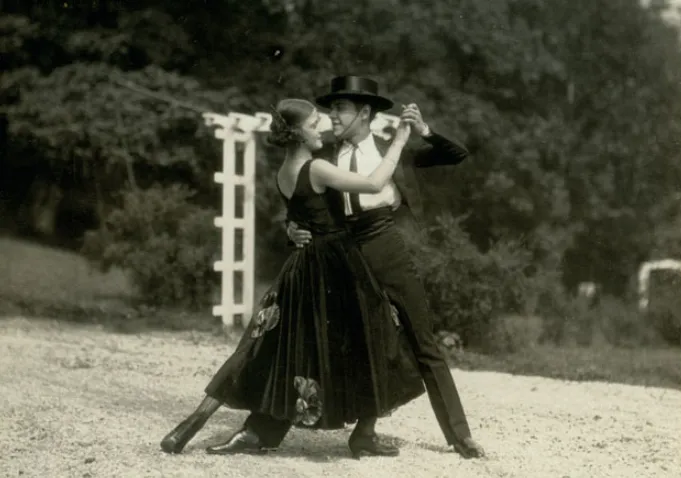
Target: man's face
347 117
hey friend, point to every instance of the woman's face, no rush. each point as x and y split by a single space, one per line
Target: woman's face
309 131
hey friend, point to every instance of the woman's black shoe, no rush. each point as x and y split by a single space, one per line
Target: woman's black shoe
244 441
177 439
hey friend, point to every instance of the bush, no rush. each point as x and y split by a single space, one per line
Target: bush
468 288
619 323
509 334
166 243
612 321
495 303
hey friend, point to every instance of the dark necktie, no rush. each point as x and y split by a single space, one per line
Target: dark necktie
355 208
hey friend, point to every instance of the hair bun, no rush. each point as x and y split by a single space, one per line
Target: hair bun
280 135
286 117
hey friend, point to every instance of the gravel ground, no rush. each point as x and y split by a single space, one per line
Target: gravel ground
82 402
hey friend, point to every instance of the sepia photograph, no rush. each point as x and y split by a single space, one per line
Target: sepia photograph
369 238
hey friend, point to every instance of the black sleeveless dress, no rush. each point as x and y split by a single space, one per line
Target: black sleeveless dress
325 347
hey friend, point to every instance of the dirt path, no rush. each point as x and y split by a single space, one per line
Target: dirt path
86 403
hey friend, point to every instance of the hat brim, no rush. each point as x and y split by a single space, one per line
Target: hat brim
379 103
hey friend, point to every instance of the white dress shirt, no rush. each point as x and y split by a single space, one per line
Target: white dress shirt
368 159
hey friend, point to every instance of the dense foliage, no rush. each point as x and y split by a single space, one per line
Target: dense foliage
569 108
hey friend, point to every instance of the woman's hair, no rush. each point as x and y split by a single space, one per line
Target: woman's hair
289 114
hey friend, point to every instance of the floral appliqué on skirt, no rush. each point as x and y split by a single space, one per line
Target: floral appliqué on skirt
268 316
308 405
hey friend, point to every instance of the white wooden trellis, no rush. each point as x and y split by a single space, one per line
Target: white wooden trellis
241 128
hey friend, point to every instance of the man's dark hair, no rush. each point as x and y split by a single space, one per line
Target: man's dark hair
372 111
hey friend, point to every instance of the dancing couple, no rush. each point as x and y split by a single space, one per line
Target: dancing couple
344 335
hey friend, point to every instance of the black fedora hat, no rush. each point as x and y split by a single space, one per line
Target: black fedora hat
355 88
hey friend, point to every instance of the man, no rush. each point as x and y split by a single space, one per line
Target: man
352 103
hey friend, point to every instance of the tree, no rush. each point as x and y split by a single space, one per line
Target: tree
569 109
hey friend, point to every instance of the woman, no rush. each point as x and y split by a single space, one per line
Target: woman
325 348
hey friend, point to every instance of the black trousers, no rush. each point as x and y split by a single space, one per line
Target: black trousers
392 264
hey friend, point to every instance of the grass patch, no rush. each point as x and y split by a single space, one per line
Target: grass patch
36 272
40 281
653 367
118 318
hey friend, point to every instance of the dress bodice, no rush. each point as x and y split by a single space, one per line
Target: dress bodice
308 208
